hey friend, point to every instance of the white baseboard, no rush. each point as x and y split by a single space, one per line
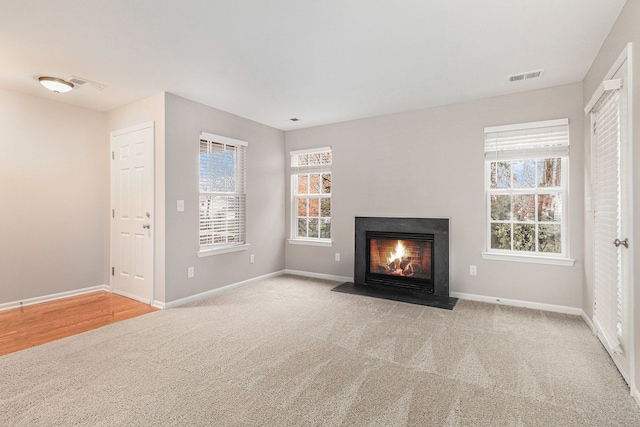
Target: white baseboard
213 292
636 395
589 322
52 297
518 303
319 275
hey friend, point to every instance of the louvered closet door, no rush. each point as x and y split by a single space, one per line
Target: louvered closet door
611 221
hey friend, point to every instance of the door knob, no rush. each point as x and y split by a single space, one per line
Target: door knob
619 242
147 226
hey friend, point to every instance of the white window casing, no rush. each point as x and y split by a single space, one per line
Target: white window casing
311 196
526 185
222 204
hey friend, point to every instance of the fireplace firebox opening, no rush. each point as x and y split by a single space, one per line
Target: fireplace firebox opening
402 259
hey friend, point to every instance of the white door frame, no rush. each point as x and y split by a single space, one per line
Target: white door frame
114 192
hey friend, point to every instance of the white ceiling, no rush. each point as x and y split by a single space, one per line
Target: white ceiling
320 61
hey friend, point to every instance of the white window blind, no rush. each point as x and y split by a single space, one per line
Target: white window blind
222 191
546 139
607 224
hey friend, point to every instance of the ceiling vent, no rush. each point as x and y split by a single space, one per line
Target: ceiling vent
80 82
526 76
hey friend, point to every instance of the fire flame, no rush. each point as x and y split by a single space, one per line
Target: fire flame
398 254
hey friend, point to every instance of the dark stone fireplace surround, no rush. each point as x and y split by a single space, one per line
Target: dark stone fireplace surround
438 227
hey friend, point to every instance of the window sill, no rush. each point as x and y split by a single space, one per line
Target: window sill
311 242
222 250
534 259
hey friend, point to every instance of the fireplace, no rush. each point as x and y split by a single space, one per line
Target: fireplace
410 253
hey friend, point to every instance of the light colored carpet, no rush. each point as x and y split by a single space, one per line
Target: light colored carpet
287 351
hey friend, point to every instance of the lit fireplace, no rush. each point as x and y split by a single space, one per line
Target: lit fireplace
408 253
402 259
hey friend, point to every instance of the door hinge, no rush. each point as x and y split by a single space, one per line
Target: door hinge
113 155
113 271
113 213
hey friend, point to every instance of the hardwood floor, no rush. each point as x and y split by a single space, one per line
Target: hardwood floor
37 324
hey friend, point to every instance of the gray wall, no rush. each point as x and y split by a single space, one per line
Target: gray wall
52 184
185 120
625 30
430 163
178 123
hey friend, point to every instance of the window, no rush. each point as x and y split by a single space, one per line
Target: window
222 192
311 196
526 174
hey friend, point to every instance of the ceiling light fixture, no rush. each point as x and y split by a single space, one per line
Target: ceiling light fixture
55 85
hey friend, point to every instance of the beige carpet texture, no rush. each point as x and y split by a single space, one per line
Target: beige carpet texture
287 351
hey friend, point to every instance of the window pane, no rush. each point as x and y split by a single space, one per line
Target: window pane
325 207
524 173
549 172
314 207
217 169
549 207
500 174
302 227
501 236
325 229
303 159
326 158
501 207
326 183
302 207
524 207
315 159
303 184
524 237
549 238
313 227
315 184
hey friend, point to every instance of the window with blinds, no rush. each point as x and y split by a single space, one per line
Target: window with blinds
526 170
222 191
311 194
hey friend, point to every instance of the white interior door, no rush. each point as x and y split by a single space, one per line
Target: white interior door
613 222
132 202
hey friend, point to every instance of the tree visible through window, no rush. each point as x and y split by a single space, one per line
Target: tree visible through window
311 194
526 187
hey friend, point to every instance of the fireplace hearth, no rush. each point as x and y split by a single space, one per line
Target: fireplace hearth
404 259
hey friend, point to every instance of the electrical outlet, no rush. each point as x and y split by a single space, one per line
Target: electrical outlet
191 271
337 256
473 270
252 259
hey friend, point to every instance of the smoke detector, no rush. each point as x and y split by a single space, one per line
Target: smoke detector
526 75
